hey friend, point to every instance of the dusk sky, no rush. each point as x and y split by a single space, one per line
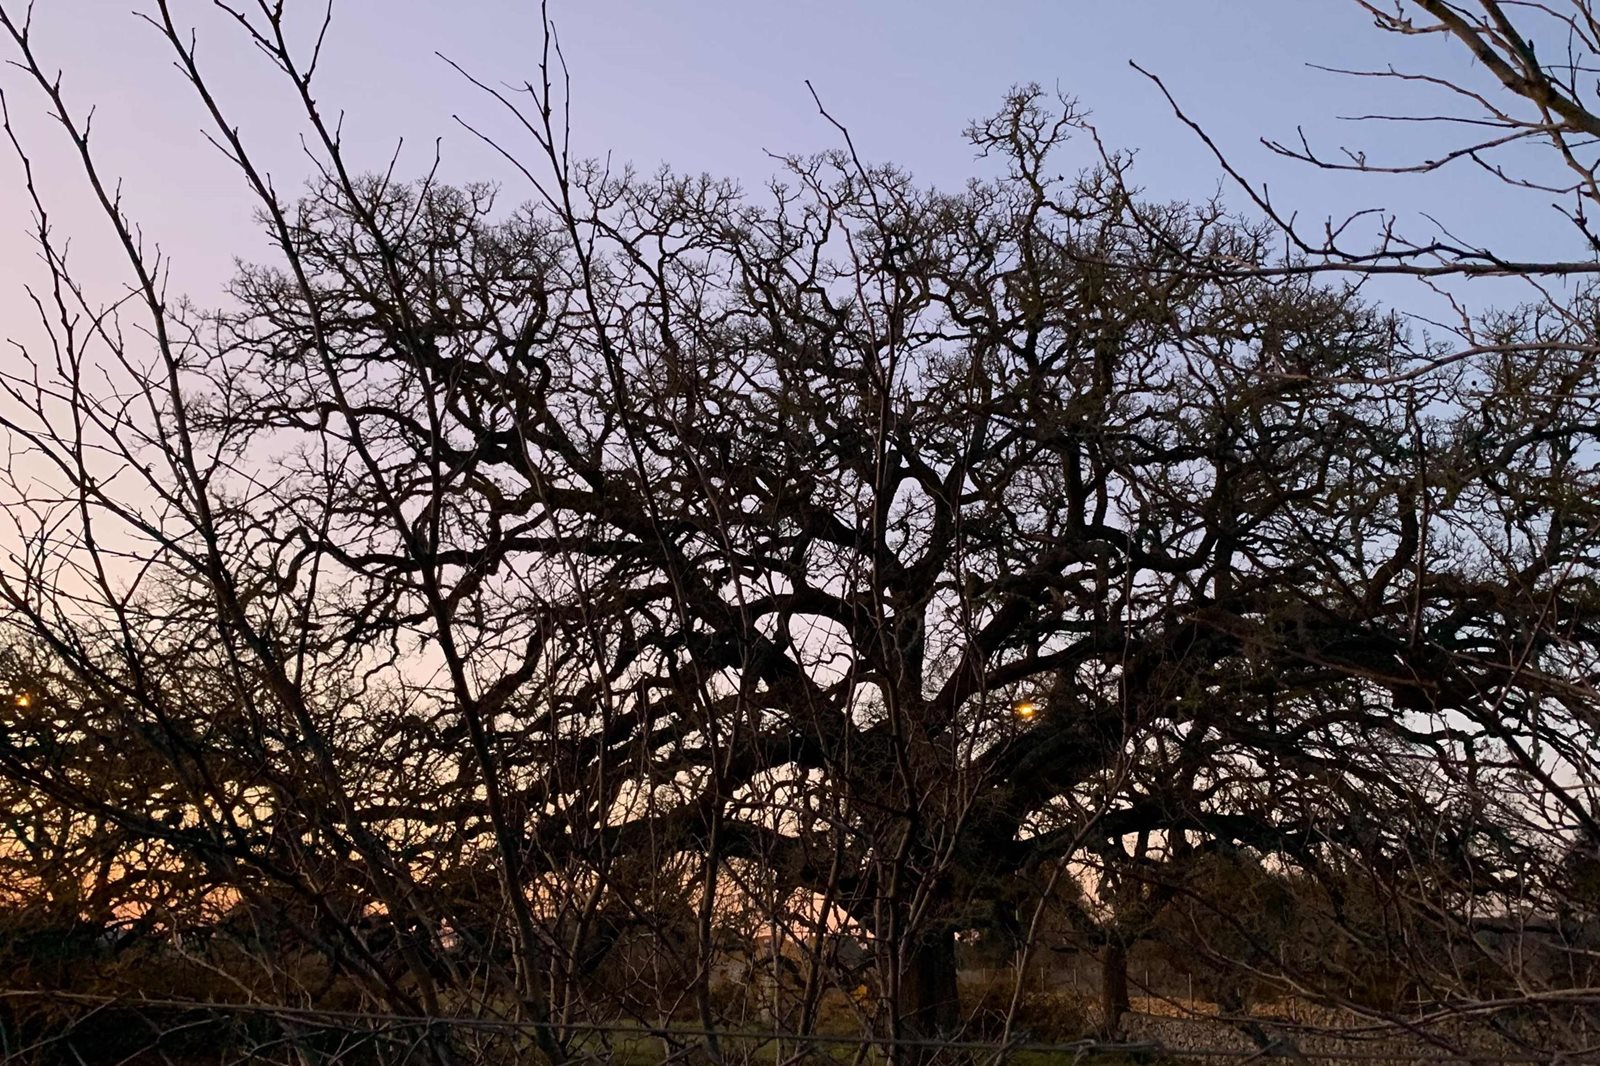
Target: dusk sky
712 85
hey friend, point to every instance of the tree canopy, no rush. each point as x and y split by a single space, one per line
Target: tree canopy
491 600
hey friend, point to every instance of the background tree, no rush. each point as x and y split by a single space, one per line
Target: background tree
487 603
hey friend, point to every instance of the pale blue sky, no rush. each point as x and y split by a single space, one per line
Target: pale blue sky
713 84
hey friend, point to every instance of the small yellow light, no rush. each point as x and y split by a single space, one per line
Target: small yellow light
1025 709
23 700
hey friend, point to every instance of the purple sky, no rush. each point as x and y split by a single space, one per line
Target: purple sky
713 84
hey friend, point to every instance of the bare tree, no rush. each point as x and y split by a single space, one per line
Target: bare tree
488 603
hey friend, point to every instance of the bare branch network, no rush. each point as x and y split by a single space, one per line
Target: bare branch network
628 618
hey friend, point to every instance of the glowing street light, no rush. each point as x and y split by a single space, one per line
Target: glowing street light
22 700
1025 709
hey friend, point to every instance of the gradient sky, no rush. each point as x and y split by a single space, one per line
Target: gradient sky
713 85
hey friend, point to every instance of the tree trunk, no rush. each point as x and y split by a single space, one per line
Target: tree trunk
929 1004
1113 987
